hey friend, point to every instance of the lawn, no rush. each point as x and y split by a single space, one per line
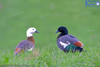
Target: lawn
16 16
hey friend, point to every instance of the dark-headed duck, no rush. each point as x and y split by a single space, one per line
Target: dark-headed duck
67 42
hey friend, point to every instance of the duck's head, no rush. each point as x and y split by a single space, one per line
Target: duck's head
30 31
63 30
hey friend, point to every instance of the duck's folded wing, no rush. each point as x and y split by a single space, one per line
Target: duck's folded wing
18 50
79 44
65 43
20 47
75 41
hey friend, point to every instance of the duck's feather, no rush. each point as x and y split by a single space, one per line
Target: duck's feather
67 42
24 45
18 50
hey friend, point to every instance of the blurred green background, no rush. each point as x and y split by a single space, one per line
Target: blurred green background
16 16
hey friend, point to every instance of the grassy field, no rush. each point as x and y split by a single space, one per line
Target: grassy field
16 16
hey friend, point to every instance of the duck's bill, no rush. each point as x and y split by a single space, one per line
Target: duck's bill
36 32
57 31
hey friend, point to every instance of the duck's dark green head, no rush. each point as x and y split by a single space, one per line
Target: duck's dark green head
63 30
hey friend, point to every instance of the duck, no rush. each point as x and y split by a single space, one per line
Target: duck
28 44
67 42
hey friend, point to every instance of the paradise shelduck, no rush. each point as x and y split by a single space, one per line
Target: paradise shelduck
28 44
67 42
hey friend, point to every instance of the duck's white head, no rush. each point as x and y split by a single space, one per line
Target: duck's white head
30 31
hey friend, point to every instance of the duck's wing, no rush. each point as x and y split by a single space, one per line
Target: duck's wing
18 50
76 41
67 42
24 45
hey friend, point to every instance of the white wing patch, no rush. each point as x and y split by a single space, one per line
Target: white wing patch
30 49
64 44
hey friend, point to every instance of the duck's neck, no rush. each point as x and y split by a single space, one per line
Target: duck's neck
31 39
29 34
62 34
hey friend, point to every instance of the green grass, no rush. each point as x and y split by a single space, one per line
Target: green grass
16 16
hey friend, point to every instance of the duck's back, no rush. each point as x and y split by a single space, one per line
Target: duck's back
69 38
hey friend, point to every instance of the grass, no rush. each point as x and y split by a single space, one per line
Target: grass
52 58
16 16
